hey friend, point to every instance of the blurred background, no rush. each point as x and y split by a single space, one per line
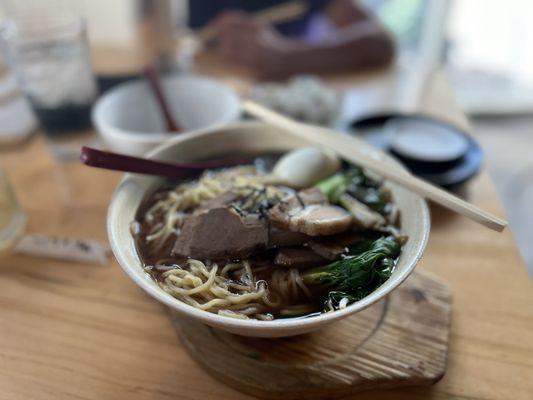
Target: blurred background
483 46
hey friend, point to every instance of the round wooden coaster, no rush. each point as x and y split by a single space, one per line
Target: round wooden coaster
400 341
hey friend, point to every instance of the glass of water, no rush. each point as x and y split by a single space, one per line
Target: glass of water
46 45
12 218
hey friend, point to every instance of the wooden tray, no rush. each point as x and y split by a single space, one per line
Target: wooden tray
400 341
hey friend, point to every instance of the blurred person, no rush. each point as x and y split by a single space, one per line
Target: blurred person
333 36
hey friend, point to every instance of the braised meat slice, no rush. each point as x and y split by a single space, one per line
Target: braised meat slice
221 233
222 200
333 247
298 257
285 238
308 212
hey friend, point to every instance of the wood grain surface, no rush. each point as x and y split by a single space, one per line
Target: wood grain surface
400 341
71 331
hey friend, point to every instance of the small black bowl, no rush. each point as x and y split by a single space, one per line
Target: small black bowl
451 173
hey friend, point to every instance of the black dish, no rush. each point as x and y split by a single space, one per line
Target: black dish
449 174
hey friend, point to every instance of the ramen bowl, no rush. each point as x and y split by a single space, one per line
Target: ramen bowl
251 138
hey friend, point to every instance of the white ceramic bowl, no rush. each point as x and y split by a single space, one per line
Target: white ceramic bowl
130 121
252 138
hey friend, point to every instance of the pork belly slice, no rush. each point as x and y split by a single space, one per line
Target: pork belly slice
308 212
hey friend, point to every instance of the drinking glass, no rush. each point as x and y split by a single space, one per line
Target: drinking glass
12 218
45 43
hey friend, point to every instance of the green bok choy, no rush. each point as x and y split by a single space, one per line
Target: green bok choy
355 276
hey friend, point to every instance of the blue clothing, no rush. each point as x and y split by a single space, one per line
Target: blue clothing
201 12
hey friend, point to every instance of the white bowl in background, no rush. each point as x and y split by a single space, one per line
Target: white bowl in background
250 138
130 122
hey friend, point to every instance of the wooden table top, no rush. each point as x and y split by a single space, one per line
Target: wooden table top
70 331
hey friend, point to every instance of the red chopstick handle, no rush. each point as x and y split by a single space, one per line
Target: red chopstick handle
155 84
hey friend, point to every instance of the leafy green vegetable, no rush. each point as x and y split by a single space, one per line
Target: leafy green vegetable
334 186
357 184
360 246
370 261
356 276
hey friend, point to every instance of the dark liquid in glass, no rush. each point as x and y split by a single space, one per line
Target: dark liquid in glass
64 119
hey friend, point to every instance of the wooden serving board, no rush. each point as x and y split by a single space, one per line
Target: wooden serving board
400 341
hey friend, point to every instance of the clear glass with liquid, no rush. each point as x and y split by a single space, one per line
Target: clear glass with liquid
45 43
12 218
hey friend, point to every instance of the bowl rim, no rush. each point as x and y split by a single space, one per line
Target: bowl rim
250 324
106 128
